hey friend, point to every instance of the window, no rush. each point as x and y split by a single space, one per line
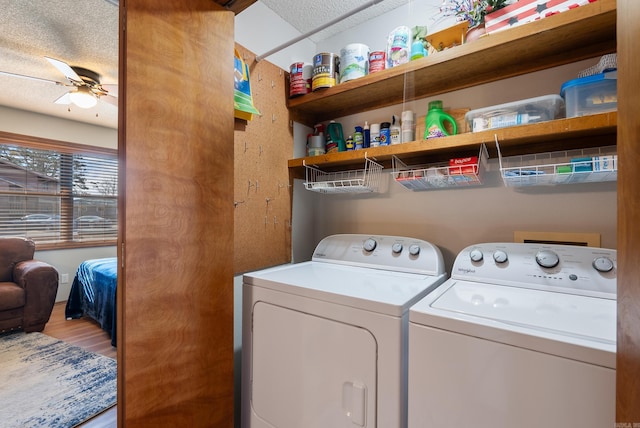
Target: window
59 194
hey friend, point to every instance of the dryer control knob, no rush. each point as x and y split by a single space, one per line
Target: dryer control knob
476 255
414 250
603 264
396 248
500 256
547 259
370 244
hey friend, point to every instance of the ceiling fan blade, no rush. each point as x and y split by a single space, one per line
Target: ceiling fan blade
65 69
109 99
65 99
111 88
22 76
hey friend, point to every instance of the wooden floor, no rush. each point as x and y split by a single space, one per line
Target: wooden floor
86 334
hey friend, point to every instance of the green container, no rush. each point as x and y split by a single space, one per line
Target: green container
335 133
435 121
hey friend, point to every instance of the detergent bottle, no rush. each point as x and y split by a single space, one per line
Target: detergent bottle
435 121
334 130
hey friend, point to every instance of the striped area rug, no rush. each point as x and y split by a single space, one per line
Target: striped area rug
45 382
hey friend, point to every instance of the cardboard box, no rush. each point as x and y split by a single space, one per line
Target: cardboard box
582 164
464 166
604 163
447 38
524 11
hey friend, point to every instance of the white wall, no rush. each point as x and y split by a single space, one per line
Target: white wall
66 261
39 125
259 29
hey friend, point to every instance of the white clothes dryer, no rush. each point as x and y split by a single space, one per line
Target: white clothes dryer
325 341
521 335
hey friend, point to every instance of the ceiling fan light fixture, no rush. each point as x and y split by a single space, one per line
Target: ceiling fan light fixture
83 97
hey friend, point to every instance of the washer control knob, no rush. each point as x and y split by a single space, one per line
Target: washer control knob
547 259
414 249
396 248
603 264
500 256
370 244
476 255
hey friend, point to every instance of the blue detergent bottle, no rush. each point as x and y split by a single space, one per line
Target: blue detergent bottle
436 120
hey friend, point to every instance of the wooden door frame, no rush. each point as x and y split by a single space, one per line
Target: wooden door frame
175 246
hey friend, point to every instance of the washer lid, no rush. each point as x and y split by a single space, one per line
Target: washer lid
505 314
375 290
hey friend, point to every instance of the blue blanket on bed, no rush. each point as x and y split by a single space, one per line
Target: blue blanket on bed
93 293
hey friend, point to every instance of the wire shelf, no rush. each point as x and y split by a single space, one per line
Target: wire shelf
366 180
438 176
562 167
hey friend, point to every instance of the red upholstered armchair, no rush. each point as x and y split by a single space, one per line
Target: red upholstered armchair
28 287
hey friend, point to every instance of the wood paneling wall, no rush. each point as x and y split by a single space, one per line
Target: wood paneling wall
175 290
628 357
262 233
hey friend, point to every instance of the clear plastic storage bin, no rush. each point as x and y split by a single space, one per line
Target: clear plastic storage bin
531 110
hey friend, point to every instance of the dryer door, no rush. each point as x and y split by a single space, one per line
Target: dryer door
310 371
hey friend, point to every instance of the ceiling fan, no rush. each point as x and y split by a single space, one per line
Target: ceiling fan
87 89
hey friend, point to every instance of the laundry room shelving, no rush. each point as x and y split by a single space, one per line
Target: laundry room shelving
440 175
582 33
596 164
365 180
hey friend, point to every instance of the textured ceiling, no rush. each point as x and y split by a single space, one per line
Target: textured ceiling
84 33
80 33
307 15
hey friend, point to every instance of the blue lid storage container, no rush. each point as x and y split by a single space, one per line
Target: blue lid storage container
591 94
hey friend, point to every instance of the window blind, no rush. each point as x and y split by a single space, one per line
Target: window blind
58 196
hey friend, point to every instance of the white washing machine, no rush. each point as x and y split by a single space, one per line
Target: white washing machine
324 342
521 335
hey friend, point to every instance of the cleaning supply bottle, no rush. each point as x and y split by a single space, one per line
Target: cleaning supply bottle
334 131
375 135
435 121
366 134
358 138
330 145
349 143
385 133
394 131
408 126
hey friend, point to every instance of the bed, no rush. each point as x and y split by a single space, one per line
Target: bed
93 293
